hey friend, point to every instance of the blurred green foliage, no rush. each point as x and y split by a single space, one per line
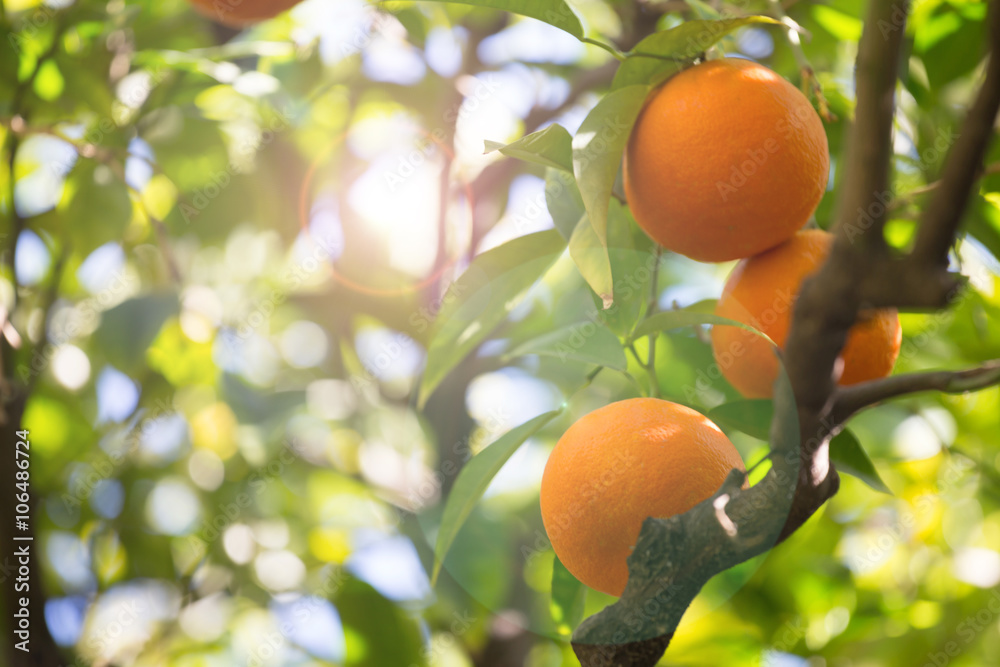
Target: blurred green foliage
272 297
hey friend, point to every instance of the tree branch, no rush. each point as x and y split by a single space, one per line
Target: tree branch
736 524
939 224
855 398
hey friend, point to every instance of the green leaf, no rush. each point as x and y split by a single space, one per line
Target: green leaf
598 147
252 406
415 23
678 319
475 477
554 12
191 150
633 259
591 257
481 298
849 456
569 597
130 327
480 550
589 342
752 417
667 52
369 618
844 27
704 10
99 208
551 147
564 201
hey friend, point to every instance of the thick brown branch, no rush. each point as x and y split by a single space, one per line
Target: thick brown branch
941 218
694 546
907 284
828 303
869 150
853 399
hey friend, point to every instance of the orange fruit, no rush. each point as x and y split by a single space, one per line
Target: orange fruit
239 13
617 466
726 160
761 292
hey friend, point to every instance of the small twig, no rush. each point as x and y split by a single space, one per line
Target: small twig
852 399
51 294
635 383
654 294
907 198
116 164
940 221
809 81
17 222
619 56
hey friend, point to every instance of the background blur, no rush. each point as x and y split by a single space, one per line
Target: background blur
234 248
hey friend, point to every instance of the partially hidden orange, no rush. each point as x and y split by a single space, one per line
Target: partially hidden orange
761 292
725 160
618 465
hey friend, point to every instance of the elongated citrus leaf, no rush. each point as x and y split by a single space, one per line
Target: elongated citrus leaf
633 260
481 298
591 258
598 147
563 200
369 618
569 597
589 342
703 306
678 319
475 477
554 12
752 417
551 147
128 329
849 456
668 52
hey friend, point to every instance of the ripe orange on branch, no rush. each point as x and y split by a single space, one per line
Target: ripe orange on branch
761 292
618 465
240 13
726 160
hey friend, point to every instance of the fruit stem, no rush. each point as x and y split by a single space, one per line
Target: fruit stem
809 80
654 294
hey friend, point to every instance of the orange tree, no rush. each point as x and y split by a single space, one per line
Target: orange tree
287 347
